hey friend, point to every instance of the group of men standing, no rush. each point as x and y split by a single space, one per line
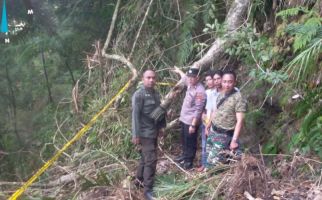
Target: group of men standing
219 111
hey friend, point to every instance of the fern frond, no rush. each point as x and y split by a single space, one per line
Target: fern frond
303 64
304 33
314 22
310 119
291 12
302 39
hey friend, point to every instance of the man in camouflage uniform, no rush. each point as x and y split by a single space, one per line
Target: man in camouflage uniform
227 119
213 83
145 130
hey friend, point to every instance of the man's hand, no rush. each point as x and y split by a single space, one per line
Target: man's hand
161 132
207 130
135 140
192 129
203 117
178 71
161 136
233 145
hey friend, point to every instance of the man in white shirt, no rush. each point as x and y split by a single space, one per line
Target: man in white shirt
213 83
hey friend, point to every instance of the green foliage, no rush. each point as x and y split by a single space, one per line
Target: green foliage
304 65
254 117
273 77
252 49
168 37
291 12
311 100
185 31
307 34
273 146
309 137
63 31
215 29
172 186
116 138
214 10
111 178
306 31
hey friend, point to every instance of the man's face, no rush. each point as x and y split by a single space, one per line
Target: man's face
209 82
217 81
149 79
193 80
228 82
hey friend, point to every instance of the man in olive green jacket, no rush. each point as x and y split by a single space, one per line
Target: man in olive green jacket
145 130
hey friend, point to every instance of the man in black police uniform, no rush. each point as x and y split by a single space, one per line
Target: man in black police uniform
145 130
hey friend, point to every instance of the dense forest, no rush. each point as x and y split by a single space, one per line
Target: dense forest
63 61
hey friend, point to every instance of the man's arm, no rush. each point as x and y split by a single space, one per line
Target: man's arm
163 123
137 105
240 121
183 76
208 125
179 71
200 100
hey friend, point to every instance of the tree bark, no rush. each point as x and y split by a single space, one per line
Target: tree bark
109 35
234 20
46 77
119 58
70 72
123 60
320 7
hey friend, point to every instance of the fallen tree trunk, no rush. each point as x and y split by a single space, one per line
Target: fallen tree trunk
234 20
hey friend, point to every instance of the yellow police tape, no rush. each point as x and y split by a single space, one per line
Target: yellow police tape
165 84
80 133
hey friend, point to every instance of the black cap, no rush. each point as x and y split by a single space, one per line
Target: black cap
193 72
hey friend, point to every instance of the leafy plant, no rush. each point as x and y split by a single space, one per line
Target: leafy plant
273 77
172 186
309 137
273 146
284 14
307 33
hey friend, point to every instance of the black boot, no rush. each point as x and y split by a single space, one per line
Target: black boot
179 159
186 165
148 195
138 183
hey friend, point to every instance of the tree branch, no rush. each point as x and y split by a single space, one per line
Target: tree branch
109 36
123 60
139 31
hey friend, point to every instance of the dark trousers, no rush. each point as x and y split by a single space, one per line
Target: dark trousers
189 142
147 166
204 153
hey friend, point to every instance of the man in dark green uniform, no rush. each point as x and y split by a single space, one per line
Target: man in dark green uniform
145 130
